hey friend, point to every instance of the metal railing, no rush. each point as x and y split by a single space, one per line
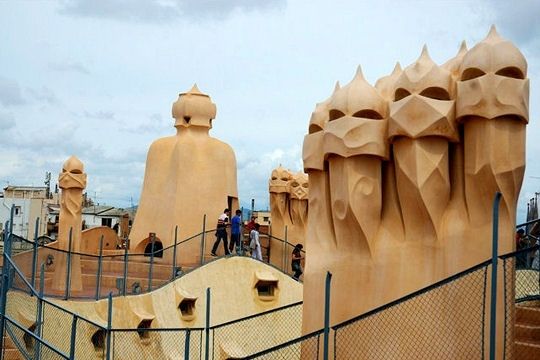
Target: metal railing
182 343
452 318
37 327
88 339
252 334
304 347
447 319
521 290
122 272
125 272
279 256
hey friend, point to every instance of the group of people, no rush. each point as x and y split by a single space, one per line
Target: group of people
254 240
236 235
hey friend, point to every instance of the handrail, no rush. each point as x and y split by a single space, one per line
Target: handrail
159 251
150 329
201 266
285 344
126 256
528 223
46 246
281 240
34 336
520 251
213 327
169 281
157 329
35 293
26 282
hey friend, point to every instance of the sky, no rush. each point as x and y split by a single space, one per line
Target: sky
97 79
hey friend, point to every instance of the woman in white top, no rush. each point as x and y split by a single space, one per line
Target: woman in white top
255 244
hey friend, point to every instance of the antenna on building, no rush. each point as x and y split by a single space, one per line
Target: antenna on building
48 183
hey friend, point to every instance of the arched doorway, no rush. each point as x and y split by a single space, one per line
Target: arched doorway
158 249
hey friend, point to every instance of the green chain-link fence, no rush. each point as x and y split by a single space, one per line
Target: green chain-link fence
157 343
28 344
445 320
521 295
304 347
448 319
249 335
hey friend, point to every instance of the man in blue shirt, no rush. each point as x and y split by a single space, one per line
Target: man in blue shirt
236 222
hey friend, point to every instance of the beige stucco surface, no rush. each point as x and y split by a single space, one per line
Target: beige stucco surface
402 177
289 192
233 295
72 182
90 239
187 175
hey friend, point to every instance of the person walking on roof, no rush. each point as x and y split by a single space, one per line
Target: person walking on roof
296 262
255 244
236 222
221 232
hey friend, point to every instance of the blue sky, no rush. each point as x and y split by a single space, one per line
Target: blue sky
97 78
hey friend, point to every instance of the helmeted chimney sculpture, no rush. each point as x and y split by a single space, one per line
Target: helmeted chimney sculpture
188 175
289 194
72 181
402 177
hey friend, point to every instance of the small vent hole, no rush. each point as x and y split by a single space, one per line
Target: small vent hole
187 307
98 340
142 329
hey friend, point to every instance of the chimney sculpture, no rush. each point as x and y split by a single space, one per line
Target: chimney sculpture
72 181
188 175
402 179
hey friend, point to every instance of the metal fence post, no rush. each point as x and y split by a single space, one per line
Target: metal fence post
126 258
326 314
39 312
34 256
269 252
151 270
186 344
8 243
73 336
99 269
68 270
109 325
203 239
493 304
174 253
285 251
5 279
3 303
207 326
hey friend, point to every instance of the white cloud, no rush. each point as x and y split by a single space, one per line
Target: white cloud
7 121
155 126
99 115
254 171
265 64
44 95
10 92
163 11
69 67
519 19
